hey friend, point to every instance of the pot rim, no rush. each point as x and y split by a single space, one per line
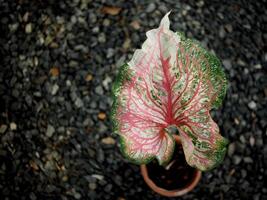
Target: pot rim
170 193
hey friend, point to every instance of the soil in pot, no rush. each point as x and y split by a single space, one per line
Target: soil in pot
177 174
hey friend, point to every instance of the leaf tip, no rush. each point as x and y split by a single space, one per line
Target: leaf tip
165 22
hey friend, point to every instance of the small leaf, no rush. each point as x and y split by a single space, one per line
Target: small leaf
108 140
111 10
54 71
135 24
88 77
101 116
171 81
126 44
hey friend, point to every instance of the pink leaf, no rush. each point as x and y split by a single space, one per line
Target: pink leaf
171 81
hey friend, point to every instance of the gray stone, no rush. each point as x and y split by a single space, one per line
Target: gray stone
106 22
248 160
110 52
81 47
3 128
242 139
150 8
252 105
26 17
102 128
241 62
108 188
33 196
163 8
92 186
28 28
98 176
61 129
55 89
99 90
106 82
120 61
229 28
37 94
73 63
49 165
15 93
227 64
257 66
231 149
39 107
247 26
252 141
243 173
13 126
100 155
256 197
68 83
95 29
103 105
221 32
93 104
78 103
118 180
88 122
13 27
28 100
77 195
92 17
73 96
225 187
102 38
35 61
237 159
73 19
50 130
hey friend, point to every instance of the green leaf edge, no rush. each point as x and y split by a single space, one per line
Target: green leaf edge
219 154
216 69
122 76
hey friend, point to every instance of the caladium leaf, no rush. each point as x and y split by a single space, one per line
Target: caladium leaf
171 81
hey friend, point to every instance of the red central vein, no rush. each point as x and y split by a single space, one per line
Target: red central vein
166 84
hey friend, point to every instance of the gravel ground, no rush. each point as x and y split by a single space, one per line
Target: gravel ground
59 59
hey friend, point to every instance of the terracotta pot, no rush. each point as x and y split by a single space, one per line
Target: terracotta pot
176 192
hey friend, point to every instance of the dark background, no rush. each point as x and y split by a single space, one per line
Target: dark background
58 61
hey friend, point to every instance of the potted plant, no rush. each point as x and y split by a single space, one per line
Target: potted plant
162 97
